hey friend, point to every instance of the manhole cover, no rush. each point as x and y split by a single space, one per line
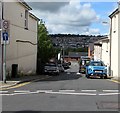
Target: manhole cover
108 105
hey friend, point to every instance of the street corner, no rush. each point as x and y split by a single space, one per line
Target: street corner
8 84
22 82
115 79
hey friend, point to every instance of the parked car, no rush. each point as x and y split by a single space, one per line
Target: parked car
51 68
61 68
96 68
65 65
82 64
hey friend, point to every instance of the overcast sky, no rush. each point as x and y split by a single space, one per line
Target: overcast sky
74 17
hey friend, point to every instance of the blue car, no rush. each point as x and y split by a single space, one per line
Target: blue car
96 68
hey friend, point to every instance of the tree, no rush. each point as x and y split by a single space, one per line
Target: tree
45 47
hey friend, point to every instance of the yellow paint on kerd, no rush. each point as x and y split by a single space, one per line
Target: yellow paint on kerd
115 81
22 84
16 86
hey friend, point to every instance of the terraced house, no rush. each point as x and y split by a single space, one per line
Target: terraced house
21 50
115 42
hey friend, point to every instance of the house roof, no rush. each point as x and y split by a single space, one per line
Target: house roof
25 4
77 54
99 42
33 16
105 40
113 13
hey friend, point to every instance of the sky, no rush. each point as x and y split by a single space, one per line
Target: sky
75 16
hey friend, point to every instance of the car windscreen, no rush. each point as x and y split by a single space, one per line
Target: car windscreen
85 61
97 64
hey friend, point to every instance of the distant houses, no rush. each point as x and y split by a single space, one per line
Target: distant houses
72 40
21 51
74 56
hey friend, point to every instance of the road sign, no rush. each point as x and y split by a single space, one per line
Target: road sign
5 24
5 36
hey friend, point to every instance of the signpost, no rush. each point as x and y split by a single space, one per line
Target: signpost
4 40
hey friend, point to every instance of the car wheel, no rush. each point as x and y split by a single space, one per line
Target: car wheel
79 71
87 76
105 77
101 77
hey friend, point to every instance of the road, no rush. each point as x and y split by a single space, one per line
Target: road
70 91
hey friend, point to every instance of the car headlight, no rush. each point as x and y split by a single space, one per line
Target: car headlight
89 69
105 70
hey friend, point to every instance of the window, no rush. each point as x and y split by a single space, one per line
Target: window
26 19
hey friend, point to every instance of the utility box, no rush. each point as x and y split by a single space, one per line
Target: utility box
14 70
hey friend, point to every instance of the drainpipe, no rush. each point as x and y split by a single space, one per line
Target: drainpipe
118 39
110 71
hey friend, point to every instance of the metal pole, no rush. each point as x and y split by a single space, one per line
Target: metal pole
4 61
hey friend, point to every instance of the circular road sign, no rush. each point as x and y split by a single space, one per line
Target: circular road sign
5 24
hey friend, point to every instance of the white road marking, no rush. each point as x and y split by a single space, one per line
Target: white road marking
25 93
63 92
6 94
110 90
68 93
106 94
88 90
22 91
66 90
68 72
43 91
3 91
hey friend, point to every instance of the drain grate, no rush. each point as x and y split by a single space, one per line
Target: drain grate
108 105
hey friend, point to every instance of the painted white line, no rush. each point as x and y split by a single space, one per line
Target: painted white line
110 90
22 91
68 73
3 91
6 94
66 90
88 90
25 93
109 94
43 91
66 93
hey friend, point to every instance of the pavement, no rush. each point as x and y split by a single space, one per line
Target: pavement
16 81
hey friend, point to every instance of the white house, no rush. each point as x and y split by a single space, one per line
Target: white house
106 51
98 50
22 47
102 51
115 43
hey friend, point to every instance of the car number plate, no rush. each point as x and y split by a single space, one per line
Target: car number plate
98 71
